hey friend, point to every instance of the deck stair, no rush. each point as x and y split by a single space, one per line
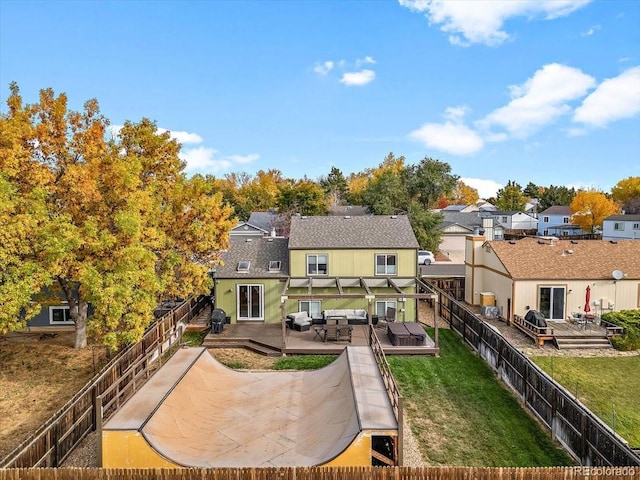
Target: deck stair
581 341
201 322
213 341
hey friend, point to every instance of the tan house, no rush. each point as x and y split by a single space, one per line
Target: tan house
552 276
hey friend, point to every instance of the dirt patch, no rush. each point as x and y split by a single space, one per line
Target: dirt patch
38 374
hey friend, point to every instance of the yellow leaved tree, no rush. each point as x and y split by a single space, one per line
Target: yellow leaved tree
102 220
590 207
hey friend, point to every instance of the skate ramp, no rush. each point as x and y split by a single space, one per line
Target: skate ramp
195 412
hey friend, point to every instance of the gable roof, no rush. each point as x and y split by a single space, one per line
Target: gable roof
623 218
454 208
246 228
532 259
469 220
379 231
557 210
265 220
259 251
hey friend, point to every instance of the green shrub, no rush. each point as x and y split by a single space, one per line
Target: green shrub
630 321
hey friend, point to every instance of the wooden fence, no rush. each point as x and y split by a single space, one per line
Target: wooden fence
589 440
50 445
333 473
395 397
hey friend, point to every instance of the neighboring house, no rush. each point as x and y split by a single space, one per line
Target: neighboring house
556 221
485 206
456 226
261 224
328 262
616 227
460 208
55 314
512 220
552 276
531 207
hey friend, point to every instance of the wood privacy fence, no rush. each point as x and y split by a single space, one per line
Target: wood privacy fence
329 473
395 397
582 433
50 445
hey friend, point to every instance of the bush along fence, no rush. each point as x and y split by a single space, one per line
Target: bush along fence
50 445
587 439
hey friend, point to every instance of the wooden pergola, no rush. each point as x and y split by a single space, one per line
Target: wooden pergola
365 290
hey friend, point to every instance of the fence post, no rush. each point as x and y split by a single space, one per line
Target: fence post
583 440
400 431
98 427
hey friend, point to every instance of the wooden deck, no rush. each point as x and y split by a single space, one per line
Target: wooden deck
266 338
567 335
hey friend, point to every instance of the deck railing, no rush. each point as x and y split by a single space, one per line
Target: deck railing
52 443
390 385
587 438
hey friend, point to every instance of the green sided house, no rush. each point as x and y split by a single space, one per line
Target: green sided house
328 263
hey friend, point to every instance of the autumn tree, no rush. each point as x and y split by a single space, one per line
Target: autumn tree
511 198
111 222
627 194
304 196
335 186
430 180
590 207
463 194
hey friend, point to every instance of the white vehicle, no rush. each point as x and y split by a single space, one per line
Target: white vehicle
425 257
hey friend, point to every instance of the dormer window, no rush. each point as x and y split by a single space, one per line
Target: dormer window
243 266
275 265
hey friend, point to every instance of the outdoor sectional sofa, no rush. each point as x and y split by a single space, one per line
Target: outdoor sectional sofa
354 316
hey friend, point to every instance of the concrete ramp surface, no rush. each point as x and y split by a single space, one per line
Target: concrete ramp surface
195 412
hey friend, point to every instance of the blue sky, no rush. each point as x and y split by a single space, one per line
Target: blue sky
541 91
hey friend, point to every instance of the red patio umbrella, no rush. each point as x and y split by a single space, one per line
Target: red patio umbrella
587 308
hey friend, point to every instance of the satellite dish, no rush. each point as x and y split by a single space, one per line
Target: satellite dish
617 274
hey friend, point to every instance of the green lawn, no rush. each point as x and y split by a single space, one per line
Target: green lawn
608 386
462 415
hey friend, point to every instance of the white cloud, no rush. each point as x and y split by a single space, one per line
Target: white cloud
540 100
590 31
456 114
481 21
203 159
450 137
181 136
364 61
486 188
324 67
614 99
358 78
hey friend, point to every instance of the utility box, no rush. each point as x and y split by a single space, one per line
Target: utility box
487 299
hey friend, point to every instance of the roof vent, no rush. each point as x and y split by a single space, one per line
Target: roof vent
303 217
394 216
347 217
512 242
541 242
569 252
575 242
614 242
249 240
269 239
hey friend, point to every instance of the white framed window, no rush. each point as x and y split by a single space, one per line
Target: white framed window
565 219
312 307
619 226
250 300
545 219
505 219
317 264
60 315
381 307
636 226
386 264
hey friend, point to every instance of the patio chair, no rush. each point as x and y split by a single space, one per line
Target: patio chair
330 329
344 329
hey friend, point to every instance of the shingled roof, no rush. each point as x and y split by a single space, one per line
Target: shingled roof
533 259
378 231
557 210
259 251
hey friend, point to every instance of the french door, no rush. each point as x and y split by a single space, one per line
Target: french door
250 302
552 302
